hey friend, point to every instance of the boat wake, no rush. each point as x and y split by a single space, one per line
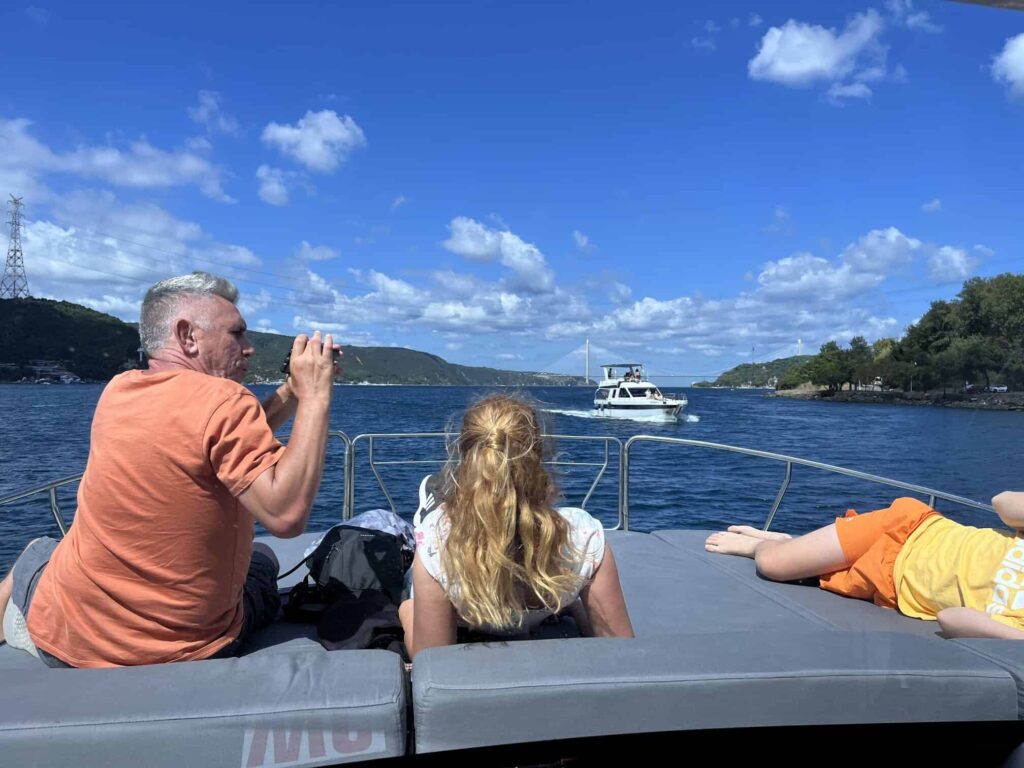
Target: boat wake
688 418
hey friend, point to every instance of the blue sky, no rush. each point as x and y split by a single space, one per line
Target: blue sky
690 185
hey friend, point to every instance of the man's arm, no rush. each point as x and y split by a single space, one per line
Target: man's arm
1009 505
280 406
967 622
281 497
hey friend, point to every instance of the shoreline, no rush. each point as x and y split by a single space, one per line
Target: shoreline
988 401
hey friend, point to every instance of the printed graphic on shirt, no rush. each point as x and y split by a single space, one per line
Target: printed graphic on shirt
1008 589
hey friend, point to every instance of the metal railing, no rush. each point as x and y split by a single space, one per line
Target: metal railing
373 439
625 456
51 487
790 462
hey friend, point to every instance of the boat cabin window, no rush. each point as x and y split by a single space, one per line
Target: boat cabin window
602 394
641 391
623 392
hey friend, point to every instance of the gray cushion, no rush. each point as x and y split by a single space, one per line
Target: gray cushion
670 589
717 647
482 695
307 706
287 698
804 603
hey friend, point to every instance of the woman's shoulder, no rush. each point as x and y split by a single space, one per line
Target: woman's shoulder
579 518
586 533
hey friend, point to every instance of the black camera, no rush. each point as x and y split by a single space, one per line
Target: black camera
288 359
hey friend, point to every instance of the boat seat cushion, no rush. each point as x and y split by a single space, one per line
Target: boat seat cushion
803 602
488 694
286 701
294 707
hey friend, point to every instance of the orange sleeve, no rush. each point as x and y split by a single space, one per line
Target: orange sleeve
239 443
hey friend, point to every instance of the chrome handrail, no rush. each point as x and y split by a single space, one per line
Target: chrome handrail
51 487
625 459
371 438
789 461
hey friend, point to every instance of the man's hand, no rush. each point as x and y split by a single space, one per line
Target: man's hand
312 367
281 497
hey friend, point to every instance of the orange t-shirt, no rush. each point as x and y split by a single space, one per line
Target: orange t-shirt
153 567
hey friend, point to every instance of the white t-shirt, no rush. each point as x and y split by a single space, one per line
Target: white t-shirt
586 540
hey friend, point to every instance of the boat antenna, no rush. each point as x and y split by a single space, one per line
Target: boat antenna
588 362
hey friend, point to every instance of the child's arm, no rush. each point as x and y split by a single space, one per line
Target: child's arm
967 622
1009 505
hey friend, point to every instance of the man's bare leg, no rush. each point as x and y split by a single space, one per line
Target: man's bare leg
814 554
6 588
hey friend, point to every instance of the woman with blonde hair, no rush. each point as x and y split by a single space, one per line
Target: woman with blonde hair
497 556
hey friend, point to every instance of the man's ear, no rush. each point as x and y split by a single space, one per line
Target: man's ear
185 336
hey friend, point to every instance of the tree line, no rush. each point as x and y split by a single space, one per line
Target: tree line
976 338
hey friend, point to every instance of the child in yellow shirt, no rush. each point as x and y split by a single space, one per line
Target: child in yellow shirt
908 557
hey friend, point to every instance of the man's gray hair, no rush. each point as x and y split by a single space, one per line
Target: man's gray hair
160 306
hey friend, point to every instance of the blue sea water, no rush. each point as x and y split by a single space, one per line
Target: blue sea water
45 436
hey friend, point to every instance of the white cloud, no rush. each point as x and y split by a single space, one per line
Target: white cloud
754 20
307 252
199 144
922 21
948 264
476 241
320 140
453 345
881 250
462 286
800 54
703 44
839 92
902 11
781 222
398 202
508 356
139 165
472 240
273 189
266 325
932 206
103 253
209 113
581 240
1008 66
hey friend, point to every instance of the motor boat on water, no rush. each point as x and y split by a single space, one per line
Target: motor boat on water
625 391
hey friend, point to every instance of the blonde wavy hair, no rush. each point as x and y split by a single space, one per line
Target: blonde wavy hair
507 548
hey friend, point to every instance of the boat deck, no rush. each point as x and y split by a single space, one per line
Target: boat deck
716 647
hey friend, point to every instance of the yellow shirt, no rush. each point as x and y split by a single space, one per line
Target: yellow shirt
948 565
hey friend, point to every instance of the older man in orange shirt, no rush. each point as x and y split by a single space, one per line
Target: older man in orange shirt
160 564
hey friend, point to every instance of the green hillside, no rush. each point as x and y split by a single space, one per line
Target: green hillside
757 374
96 346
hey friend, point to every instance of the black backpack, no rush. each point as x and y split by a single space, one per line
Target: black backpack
350 565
